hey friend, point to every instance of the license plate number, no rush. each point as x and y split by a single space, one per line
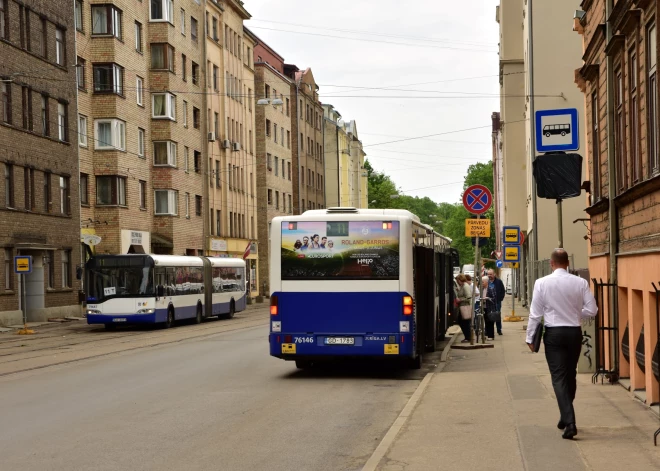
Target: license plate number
340 341
119 319
391 349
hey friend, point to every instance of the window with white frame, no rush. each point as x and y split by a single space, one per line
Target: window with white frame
140 142
142 193
108 78
60 47
139 90
66 268
164 106
186 159
162 57
106 20
82 130
161 10
653 130
110 134
110 190
183 22
186 204
138 36
167 202
185 114
62 124
165 153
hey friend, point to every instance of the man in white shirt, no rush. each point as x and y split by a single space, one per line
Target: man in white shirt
561 301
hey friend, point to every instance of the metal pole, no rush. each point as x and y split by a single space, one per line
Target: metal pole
560 226
532 134
474 286
24 296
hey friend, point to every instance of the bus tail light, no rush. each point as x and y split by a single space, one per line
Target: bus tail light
407 305
273 306
288 339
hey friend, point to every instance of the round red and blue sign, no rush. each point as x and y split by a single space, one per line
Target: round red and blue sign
477 199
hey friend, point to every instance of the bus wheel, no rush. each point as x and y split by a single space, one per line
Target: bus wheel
110 327
198 317
416 363
170 318
232 310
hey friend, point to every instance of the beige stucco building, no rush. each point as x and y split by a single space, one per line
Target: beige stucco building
542 80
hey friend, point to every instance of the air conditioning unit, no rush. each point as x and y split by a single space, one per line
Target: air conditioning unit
236 146
226 144
211 137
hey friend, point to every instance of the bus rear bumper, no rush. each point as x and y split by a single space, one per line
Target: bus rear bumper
119 319
297 346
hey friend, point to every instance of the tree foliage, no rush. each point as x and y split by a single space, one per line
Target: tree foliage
446 218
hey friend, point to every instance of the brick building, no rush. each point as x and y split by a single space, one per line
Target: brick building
621 56
39 205
275 168
141 77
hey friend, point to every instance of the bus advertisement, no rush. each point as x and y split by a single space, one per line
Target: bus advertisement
363 283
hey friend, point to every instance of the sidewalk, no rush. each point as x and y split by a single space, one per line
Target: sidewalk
495 409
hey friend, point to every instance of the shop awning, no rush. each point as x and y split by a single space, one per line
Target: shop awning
136 249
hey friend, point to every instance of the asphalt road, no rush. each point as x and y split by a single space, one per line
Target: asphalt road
218 402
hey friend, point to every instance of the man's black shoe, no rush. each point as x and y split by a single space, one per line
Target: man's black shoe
569 432
561 425
499 333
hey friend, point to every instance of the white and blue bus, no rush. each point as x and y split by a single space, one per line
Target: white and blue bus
162 289
357 282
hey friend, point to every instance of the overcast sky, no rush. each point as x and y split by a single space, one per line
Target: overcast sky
447 43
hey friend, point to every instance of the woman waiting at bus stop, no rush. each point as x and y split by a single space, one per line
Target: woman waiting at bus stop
464 300
489 301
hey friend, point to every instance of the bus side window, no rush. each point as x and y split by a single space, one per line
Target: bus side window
170 281
160 277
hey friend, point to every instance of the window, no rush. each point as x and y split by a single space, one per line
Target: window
4 29
9 259
635 156
78 14
185 114
652 87
164 106
195 73
275 132
217 174
282 137
277 200
111 190
5 96
165 153
218 222
110 134
186 204
62 122
47 195
84 189
283 169
66 269
141 142
167 202
82 130
27 108
162 10
108 78
106 20
198 205
138 37
162 57
193 29
183 22
270 196
186 159
65 199
290 205
215 77
268 127
196 118
197 161
302 176
43 38
80 73
60 47
45 115
9 185
277 166
28 186
50 262
595 148
184 67
287 110
619 131
142 193
215 29
289 170
139 90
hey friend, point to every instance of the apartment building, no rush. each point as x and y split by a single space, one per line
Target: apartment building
140 71
346 179
307 140
275 167
39 204
541 78
620 55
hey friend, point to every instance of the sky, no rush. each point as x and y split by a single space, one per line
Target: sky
440 55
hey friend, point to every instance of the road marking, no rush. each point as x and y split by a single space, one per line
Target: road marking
390 436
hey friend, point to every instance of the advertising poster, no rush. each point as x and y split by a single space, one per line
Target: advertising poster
353 250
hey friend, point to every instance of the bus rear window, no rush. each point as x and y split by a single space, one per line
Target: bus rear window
351 250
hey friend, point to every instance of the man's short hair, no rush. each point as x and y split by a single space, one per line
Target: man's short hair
559 257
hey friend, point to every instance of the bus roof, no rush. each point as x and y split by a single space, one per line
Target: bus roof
177 260
226 262
370 212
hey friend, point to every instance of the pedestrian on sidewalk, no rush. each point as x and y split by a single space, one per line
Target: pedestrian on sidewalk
500 291
489 304
561 301
464 298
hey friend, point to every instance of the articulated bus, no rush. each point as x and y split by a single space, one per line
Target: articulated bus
162 289
349 282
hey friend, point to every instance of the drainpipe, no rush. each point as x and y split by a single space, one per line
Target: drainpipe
206 206
533 273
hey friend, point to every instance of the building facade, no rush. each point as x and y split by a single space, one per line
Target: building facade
534 79
275 168
39 203
142 138
353 176
306 141
619 81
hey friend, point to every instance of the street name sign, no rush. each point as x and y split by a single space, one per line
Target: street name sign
23 264
512 253
477 199
557 130
477 228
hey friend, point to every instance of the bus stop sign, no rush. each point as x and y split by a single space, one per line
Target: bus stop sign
477 199
557 130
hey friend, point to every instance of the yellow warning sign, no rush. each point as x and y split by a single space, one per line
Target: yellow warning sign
477 228
512 253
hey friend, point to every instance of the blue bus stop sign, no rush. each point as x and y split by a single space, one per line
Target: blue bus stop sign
499 264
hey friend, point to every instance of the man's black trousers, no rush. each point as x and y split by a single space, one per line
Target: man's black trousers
562 351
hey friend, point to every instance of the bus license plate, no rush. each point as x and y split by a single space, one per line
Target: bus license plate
119 319
340 341
391 349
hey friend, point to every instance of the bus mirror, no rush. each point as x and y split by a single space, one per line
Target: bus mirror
160 291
